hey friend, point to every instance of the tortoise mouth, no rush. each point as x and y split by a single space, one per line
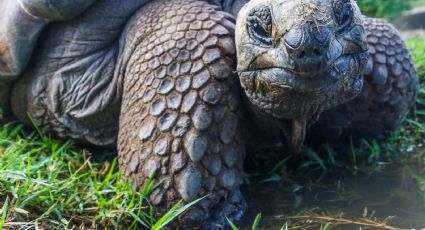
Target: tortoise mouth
340 69
289 80
285 94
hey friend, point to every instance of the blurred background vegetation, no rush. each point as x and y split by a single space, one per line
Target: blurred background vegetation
389 9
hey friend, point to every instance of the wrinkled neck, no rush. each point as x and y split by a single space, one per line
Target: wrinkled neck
269 131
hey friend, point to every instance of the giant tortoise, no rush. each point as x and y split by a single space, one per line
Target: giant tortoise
182 89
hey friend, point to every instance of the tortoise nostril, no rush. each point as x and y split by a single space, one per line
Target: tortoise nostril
301 55
317 52
308 49
308 54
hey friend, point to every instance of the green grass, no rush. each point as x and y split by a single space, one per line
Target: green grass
417 49
418 3
50 183
389 9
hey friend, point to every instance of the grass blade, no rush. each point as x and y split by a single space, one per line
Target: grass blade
314 156
256 221
232 225
175 211
4 213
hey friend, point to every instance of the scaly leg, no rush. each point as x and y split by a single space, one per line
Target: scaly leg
179 114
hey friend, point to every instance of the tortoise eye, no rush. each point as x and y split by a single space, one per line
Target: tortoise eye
260 25
343 11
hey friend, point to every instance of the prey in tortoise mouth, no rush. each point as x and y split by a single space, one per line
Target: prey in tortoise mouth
296 59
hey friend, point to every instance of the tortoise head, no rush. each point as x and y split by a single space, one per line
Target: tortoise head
297 58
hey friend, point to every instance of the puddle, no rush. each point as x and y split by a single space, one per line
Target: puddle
396 191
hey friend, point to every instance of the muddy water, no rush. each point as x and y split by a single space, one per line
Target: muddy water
393 191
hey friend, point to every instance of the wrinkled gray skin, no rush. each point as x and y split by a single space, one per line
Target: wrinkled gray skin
157 79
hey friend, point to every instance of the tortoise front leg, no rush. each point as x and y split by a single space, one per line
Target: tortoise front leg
179 114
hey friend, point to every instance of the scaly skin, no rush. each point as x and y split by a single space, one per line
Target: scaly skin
179 113
158 80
